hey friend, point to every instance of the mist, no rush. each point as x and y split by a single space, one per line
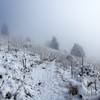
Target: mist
71 21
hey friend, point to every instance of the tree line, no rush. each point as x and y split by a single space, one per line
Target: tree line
76 50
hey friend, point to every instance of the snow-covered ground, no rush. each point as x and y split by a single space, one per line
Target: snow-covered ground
24 75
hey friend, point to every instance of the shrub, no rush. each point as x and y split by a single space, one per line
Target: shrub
73 90
8 95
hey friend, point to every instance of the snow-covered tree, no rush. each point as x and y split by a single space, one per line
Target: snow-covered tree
77 51
70 59
54 44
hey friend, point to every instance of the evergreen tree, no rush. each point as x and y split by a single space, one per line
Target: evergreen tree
4 30
54 44
77 50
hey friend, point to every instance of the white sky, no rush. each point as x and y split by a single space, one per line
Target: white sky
69 20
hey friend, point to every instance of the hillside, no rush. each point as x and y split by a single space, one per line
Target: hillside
23 76
42 74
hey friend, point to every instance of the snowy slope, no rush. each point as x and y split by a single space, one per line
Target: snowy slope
37 73
26 77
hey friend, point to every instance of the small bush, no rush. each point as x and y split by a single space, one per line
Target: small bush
0 76
39 83
80 96
73 90
8 95
38 62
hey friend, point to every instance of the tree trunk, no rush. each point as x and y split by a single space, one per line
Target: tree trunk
71 69
82 65
82 61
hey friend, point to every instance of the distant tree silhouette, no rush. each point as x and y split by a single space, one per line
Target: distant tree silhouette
4 30
78 51
28 39
54 44
5 34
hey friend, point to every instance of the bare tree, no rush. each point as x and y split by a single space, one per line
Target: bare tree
70 59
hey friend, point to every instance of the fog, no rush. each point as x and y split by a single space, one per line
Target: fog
71 21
